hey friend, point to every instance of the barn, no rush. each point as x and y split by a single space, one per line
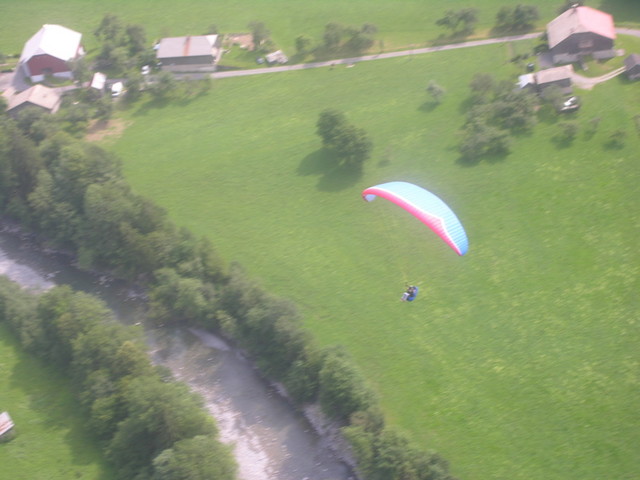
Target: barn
581 31
192 53
51 51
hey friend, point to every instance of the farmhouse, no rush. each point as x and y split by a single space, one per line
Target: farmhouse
51 51
632 66
581 31
39 96
192 53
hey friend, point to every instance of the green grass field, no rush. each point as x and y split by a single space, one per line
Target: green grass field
51 441
518 361
401 23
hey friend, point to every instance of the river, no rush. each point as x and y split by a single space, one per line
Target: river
271 440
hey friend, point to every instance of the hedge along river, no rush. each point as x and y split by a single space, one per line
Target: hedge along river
271 440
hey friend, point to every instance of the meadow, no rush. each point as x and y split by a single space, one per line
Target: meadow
401 23
519 360
51 442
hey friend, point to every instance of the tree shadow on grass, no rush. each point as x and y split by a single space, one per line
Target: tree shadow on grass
428 106
486 158
333 177
547 114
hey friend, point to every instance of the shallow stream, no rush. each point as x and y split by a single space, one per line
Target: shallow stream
271 440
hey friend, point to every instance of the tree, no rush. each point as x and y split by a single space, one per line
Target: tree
450 20
329 123
136 39
342 388
197 458
567 132
481 85
303 44
259 34
351 145
332 36
479 139
617 138
468 17
110 29
164 84
520 17
567 4
435 91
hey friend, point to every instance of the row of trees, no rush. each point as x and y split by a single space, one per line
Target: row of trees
338 39
508 19
151 426
497 111
73 194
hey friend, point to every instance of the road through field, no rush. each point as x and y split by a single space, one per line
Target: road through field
379 56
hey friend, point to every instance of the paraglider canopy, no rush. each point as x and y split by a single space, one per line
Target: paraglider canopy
425 206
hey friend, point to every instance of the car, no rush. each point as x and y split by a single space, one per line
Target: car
570 104
146 69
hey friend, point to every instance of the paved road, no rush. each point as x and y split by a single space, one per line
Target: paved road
403 53
349 61
8 77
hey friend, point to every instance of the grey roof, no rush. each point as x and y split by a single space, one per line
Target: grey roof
191 46
632 60
40 95
554 74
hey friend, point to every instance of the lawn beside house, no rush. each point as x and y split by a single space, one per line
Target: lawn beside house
50 442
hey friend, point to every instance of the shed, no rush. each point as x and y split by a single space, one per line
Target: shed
39 96
276 57
6 424
192 53
558 76
581 31
632 66
51 51
98 81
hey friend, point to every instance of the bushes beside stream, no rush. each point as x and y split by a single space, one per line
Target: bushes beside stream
73 195
151 427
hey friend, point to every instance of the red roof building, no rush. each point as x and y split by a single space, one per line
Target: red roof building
51 52
581 31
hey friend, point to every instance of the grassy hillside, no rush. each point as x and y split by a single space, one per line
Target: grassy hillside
519 360
51 442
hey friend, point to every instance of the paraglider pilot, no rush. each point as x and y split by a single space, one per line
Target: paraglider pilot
410 294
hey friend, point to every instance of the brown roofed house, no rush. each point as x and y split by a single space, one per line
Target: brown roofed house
192 53
581 31
38 96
